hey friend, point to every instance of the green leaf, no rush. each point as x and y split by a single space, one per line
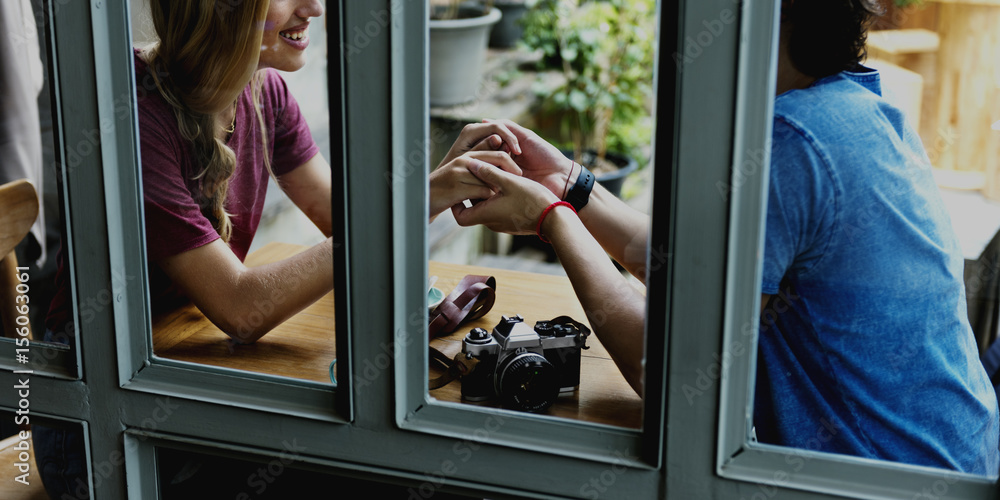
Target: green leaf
590 36
578 100
540 88
606 101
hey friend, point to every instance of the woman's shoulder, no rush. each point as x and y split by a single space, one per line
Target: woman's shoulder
153 109
273 78
140 55
157 122
274 89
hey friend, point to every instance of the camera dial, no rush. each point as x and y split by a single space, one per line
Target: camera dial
478 336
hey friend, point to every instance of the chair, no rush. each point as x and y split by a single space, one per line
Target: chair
18 210
982 288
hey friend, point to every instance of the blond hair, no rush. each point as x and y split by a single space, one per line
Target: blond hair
206 56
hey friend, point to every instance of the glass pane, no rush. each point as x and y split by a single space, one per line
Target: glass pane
240 266
31 273
27 441
585 102
185 474
865 341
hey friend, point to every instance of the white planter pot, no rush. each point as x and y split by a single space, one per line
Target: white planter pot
457 51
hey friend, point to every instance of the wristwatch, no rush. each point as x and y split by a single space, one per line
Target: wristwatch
579 194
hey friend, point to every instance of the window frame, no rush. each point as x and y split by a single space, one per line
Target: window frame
140 369
124 399
416 409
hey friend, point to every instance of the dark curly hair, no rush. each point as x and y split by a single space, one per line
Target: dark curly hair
828 36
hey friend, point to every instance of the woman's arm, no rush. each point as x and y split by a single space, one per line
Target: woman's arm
244 302
310 187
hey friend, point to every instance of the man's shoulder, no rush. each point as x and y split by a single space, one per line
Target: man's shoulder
830 101
840 115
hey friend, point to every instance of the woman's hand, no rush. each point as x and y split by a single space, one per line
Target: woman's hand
514 207
453 182
486 136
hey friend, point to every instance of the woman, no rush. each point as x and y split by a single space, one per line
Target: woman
215 121
219 122
214 124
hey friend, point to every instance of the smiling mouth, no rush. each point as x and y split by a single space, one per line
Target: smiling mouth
294 34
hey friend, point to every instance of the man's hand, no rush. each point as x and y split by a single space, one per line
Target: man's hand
453 182
515 206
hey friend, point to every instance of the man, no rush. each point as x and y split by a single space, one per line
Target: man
869 344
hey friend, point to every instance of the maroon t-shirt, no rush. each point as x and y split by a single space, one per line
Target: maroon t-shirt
174 221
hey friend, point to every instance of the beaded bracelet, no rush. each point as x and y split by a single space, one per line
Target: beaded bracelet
572 167
538 230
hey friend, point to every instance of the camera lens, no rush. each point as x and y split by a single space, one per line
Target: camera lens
527 382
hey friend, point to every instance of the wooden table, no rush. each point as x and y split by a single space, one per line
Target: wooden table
301 347
604 395
304 346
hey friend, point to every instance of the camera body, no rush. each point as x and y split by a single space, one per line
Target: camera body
526 368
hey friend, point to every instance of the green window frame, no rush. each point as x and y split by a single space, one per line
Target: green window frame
714 107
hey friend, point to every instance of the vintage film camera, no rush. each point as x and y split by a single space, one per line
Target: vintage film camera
525 368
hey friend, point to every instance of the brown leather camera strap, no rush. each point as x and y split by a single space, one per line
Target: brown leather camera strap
453 368
470 300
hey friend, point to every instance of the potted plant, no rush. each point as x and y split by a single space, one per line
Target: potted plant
508 31
458 36
604 50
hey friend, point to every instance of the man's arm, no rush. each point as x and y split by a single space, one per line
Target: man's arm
615 310
620 229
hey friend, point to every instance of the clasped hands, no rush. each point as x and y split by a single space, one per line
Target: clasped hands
508 172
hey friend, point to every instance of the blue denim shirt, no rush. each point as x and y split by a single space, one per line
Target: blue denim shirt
867 349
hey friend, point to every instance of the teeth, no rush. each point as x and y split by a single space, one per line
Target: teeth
297 35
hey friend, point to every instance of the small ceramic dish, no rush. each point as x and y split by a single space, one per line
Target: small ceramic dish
434 298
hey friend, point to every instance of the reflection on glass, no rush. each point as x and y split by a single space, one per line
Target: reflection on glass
865 347
240 269
565 333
